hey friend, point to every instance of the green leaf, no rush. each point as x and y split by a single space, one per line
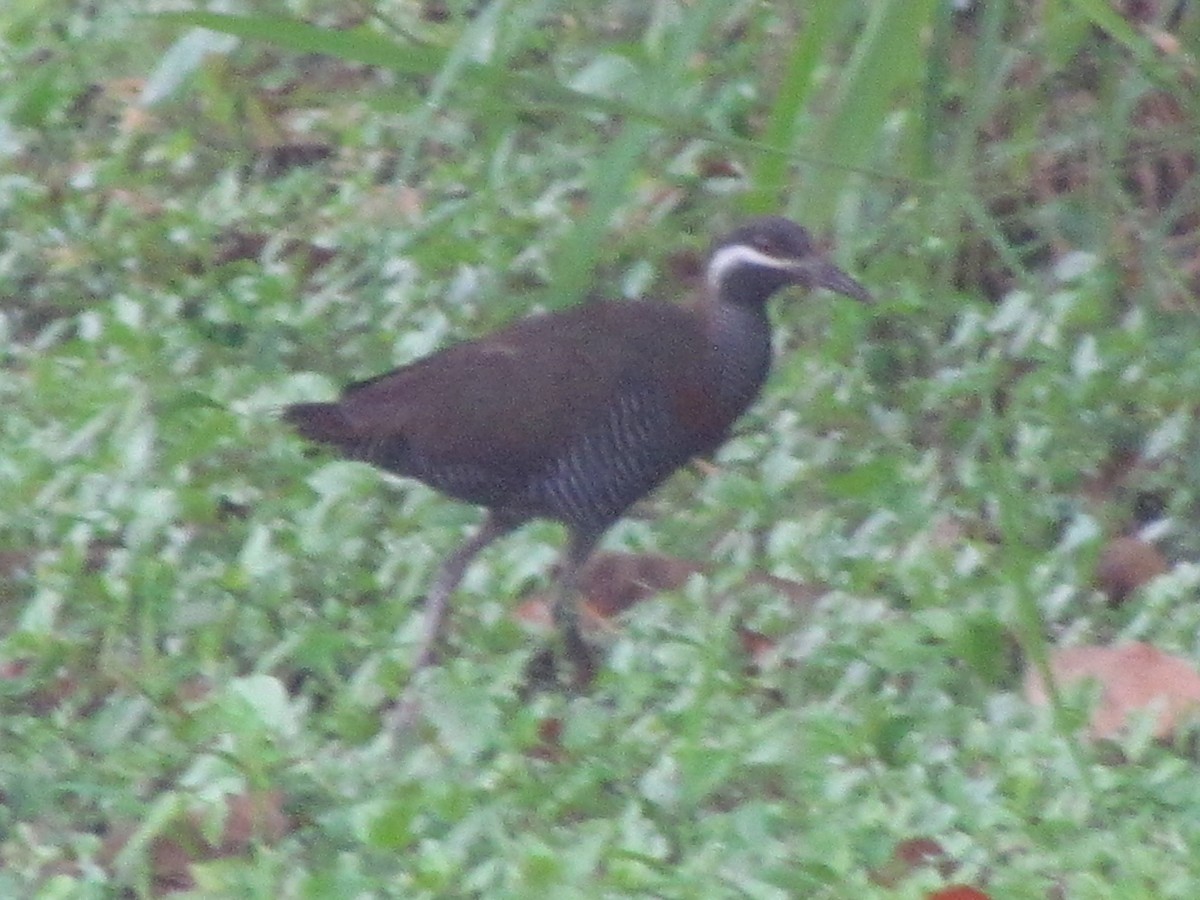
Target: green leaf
268 698
887 59
181 60
357 44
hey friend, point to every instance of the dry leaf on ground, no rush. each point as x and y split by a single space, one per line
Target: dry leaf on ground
1134 678
1125 564
613 582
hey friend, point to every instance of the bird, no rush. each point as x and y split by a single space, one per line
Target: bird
576 414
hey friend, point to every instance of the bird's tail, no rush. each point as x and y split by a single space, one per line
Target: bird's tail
324 423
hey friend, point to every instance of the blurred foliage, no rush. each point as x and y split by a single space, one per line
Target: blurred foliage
201 621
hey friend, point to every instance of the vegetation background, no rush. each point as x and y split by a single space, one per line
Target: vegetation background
200 621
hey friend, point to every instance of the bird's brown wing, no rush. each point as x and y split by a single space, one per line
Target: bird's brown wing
512 400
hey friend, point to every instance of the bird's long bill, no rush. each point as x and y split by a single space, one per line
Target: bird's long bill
823 273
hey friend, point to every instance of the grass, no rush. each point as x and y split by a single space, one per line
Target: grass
200 621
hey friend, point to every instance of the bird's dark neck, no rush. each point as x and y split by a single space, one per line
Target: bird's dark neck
741 337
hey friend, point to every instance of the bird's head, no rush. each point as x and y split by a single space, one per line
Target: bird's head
765 254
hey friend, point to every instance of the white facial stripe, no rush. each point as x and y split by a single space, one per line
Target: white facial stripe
729 258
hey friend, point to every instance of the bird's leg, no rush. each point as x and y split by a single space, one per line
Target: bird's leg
566 604
437 600
437 604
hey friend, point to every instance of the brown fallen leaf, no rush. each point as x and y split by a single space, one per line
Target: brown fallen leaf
1133 679
1125 564
45 696
714 166
909 856
755 644
959 892
251 818
549 746
535 611
613 582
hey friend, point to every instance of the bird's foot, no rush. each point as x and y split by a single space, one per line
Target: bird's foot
556 667
404 714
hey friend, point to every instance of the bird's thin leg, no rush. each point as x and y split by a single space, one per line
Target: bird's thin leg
566 604
437 600
437 603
